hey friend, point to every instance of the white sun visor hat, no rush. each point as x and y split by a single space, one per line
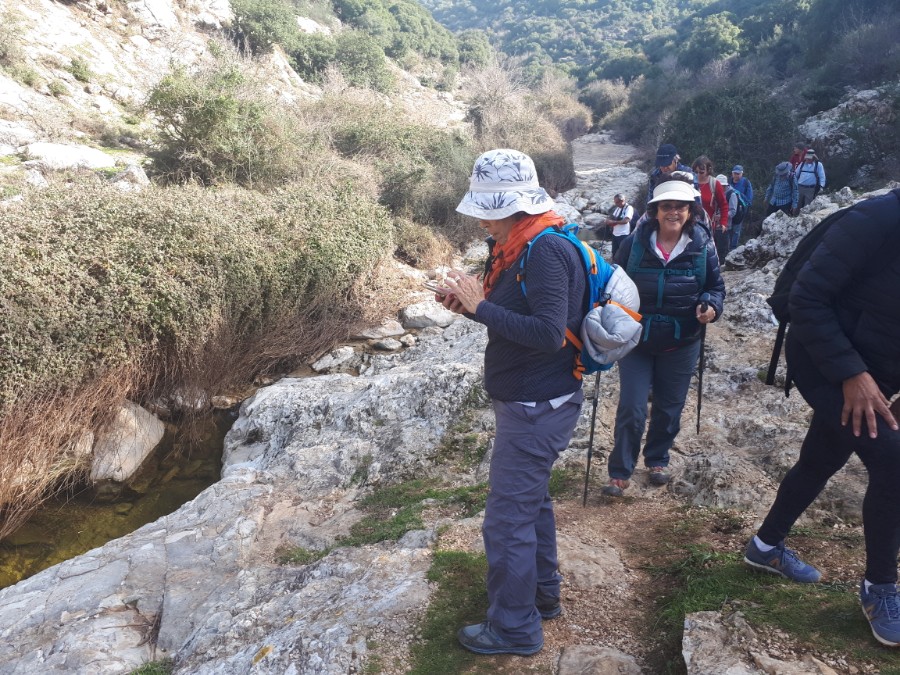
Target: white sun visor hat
674 190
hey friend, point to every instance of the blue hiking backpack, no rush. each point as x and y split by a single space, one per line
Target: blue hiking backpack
633 268
598 273
740 211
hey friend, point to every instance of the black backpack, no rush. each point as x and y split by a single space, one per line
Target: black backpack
778 301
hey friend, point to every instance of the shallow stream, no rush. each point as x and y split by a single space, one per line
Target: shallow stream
72 523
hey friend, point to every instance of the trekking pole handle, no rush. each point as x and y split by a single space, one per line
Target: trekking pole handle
704 302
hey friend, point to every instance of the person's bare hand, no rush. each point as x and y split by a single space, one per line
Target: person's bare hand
862 400
465 290
706 317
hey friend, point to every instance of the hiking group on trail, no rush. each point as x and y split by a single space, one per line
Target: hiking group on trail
556 311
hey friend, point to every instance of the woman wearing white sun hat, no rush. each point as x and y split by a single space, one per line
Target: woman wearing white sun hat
528 372
674 265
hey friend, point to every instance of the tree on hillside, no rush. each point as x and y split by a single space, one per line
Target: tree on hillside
735 125
712 37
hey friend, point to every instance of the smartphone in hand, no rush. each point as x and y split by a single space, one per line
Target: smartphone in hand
435 287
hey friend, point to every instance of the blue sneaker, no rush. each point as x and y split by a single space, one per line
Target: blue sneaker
783 561
882 608
481 639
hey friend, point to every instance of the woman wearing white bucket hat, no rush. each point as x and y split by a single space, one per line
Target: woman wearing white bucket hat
528 372
674 265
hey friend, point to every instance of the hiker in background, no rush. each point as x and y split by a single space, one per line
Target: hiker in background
797 155
731 197
810 178
620 221
744 189
712 197
782 194
843 352
674 264
667 161
535 393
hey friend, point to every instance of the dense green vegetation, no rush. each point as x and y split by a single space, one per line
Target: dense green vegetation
730 80
373 30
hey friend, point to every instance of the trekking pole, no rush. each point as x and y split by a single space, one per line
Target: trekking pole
590 451
704 305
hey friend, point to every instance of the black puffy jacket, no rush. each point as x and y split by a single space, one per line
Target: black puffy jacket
845 302
673 323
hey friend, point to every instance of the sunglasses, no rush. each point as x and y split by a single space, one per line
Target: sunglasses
672 206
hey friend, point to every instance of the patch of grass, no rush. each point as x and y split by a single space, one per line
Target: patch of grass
824 616
299 555
80 69
568 481
57 88
362 470
457 600
393 511
163 667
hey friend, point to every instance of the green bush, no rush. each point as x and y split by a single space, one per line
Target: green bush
219 124
421 171
259 24
727 125
80 69
311 54
92 278
361 61
58 88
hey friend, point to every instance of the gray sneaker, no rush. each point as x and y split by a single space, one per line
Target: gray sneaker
659 475
615 488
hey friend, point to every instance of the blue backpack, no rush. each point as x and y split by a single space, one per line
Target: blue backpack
598 273
740 211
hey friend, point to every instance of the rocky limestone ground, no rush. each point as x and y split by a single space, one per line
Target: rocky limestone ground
204 586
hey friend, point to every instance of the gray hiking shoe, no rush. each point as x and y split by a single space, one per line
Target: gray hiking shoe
615 488
659 475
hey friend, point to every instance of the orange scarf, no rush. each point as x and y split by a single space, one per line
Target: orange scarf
505 255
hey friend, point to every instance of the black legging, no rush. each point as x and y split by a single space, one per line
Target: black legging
826 448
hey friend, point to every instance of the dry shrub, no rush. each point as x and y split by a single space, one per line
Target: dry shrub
220 123
420 170
421 247
506 114
557 97
605 97
39 440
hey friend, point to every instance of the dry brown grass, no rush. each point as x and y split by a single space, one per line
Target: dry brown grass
42 437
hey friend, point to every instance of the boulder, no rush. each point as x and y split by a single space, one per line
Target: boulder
59 157
591 660
125 444
425 314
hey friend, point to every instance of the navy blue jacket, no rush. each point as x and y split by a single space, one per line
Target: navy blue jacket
845 302
525 359
681 293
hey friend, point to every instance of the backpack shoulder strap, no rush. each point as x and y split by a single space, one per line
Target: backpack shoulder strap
635 257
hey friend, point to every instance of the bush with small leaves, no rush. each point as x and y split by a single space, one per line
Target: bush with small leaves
94 278
219 124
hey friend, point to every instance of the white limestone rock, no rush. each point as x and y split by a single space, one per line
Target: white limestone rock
425 314
60 157
593 660
122 448
341 359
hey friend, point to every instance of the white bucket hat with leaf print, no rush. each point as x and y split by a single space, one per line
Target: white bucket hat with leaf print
504 182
